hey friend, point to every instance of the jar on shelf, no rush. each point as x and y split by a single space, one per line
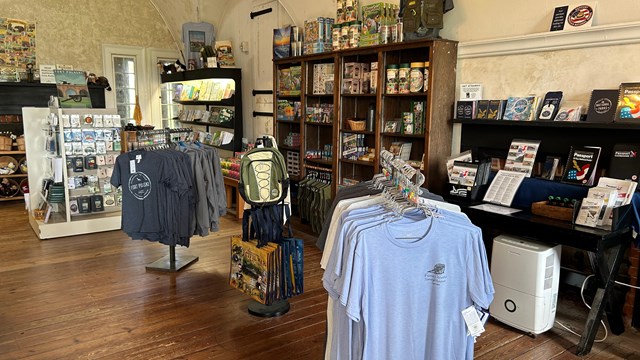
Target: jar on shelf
344 35
392 79
354 33
403 78
425 87
335 36
416 77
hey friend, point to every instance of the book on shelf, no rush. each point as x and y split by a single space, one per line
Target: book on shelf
224 50
609 197
495 109
482 109
569 113
625 162
519 108
628 106
285 110
589 212
602 105
465 109
289 80
550 167
535 109
550 105
581 165
470 91
522 156
323 79
282 42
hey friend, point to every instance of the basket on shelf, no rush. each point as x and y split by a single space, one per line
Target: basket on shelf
8 165
6 143
24 186
20 142
9 188
357 125
22 164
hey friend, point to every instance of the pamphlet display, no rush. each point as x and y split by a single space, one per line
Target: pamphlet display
503 188
522 156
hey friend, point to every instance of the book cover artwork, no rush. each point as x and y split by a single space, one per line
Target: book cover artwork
581 166
72 89
550 105
628 109
602 106
519 108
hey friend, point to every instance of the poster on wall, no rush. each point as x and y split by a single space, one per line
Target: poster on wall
17 47
573 17
73 91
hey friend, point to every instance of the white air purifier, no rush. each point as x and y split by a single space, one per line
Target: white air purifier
525 276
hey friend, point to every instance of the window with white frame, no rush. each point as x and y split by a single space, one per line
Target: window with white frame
125 67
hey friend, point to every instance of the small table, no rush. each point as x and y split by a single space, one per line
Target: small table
231 185
606 250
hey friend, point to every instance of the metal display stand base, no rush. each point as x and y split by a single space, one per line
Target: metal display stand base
171 262
276 309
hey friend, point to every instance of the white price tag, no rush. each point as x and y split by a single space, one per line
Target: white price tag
132 166
138 158
471 318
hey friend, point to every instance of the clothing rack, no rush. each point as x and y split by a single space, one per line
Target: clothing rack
148 139
171 262
317 168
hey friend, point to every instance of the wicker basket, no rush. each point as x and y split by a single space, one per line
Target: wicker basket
5 143
357 125
8 165
9 188
20 142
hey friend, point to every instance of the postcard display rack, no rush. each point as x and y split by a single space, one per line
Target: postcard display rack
82 207
211 100
350 112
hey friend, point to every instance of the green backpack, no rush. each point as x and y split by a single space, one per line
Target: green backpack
263 177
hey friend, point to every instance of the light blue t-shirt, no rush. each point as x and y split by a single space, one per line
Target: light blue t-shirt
409 292
346 335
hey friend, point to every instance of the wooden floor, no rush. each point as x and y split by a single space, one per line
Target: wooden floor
89 297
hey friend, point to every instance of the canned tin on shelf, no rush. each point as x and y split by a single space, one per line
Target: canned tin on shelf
416 78
344 35
403 78
392 79
354 33
335 36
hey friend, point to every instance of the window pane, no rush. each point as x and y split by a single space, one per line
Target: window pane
125 85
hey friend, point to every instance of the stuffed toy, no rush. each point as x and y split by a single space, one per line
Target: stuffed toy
98 80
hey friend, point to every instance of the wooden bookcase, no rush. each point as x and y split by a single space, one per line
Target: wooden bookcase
434 143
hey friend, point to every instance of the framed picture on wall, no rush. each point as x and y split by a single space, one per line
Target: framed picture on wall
194 37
